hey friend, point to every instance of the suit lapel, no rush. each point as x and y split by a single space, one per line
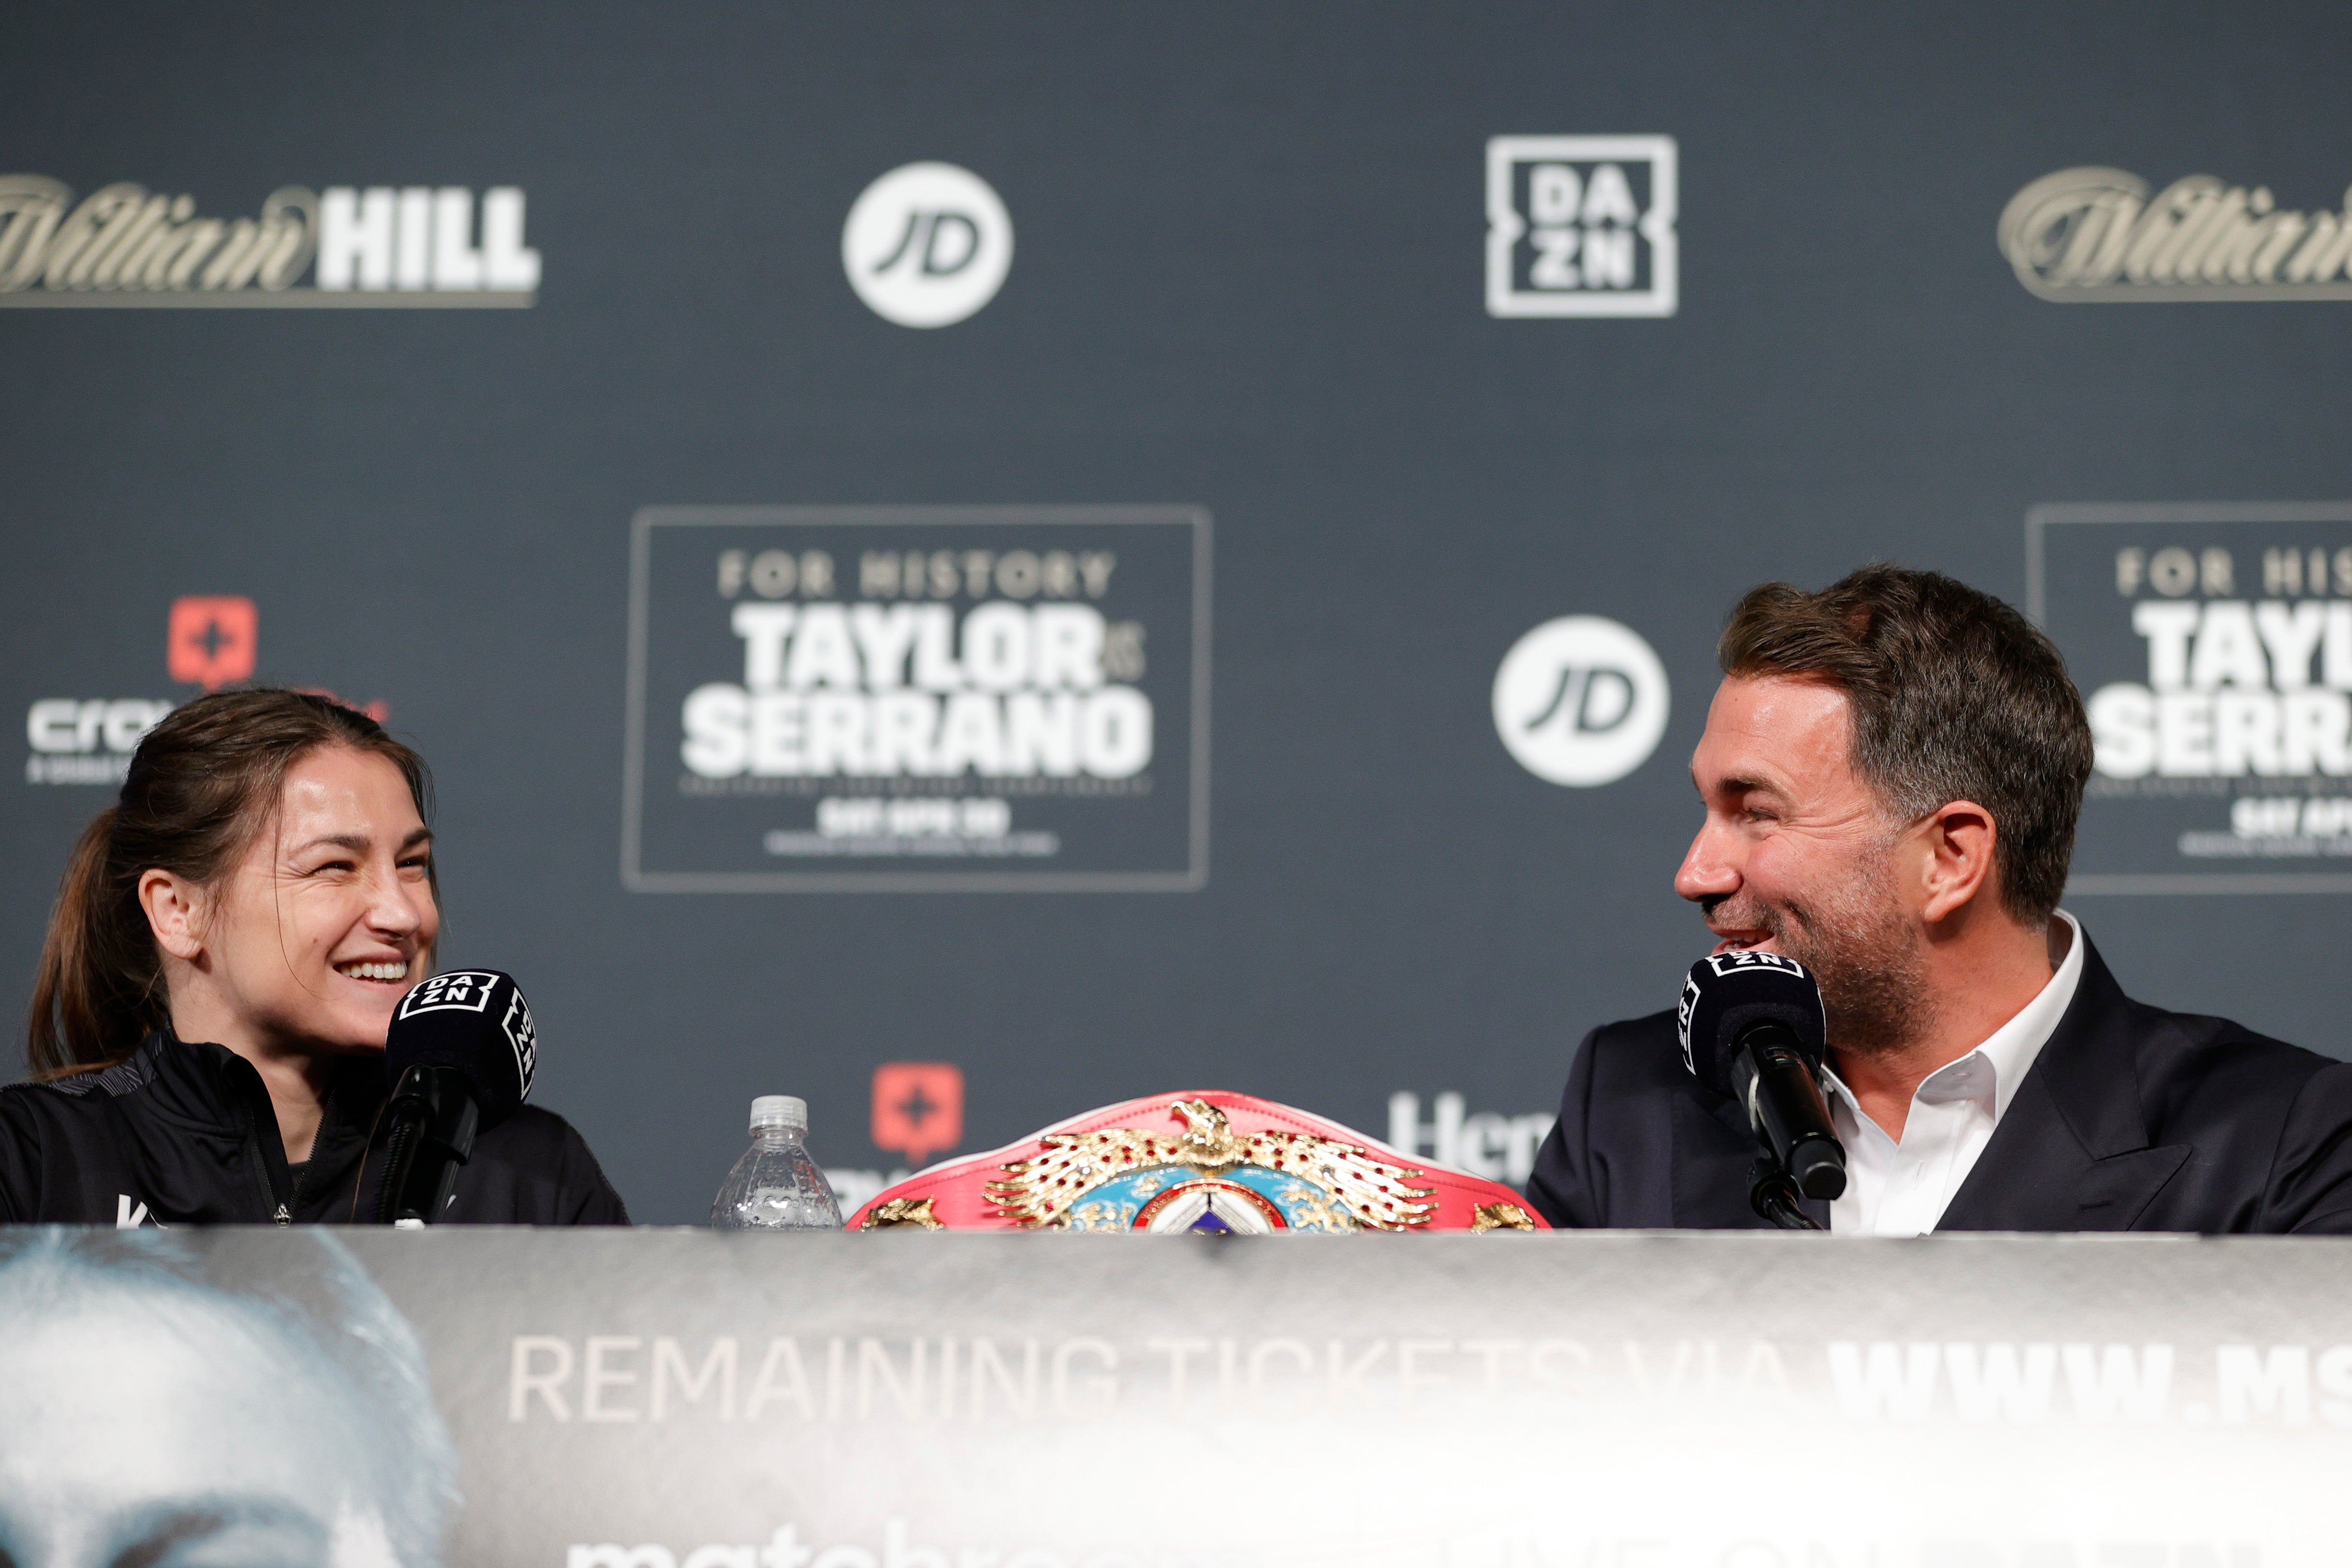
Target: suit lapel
2072 1153
1713 1151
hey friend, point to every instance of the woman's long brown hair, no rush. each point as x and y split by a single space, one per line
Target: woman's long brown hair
202 785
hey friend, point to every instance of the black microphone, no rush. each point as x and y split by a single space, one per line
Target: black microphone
1752 1027
460 1056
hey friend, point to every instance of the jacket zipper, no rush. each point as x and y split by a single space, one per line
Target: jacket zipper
299 1183
281 1214
263 1177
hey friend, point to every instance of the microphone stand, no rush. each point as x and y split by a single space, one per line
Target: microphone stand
1772 1194
1786 1107
433 1121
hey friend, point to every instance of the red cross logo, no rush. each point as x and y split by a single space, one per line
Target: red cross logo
918 1109
212 640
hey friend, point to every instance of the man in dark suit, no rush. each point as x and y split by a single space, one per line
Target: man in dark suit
1892 771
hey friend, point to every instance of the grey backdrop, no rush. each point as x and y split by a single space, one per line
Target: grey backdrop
1247 279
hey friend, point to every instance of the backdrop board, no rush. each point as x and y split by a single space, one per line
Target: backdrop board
687 1400
622 401
907 675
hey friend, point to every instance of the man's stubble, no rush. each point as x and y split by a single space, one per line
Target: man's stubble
1864 954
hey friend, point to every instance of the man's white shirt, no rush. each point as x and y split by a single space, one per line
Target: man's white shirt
1903 1189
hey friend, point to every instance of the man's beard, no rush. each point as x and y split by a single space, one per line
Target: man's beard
1862 953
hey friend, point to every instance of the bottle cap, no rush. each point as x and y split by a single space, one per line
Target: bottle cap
780 1111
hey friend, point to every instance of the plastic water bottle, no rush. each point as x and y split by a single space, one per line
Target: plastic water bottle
775 1186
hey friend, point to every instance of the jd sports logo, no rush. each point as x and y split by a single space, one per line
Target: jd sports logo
1581 701
927 245
1581 225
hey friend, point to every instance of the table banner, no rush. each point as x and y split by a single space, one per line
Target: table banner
679 1399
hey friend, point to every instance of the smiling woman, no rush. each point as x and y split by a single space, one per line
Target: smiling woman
231 938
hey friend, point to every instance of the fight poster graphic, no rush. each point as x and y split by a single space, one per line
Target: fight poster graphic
2213 646
918 699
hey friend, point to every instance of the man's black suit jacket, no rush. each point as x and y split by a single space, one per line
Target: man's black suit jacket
2130 1119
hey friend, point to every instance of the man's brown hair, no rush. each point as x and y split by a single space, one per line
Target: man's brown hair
1955 696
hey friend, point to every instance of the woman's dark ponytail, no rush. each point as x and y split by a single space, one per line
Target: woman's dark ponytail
202 785
77 989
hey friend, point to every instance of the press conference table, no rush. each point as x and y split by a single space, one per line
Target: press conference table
684 1399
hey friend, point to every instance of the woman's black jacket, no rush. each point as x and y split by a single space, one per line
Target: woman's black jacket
183 1134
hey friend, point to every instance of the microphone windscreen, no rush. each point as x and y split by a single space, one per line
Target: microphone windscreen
476 1021
1728 992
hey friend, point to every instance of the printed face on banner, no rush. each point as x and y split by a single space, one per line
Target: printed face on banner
2213 647
1581 225
836 699
273 1414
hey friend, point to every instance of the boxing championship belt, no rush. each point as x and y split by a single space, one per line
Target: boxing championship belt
1211 1162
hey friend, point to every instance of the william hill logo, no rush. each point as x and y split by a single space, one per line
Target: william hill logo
2106 235
126 245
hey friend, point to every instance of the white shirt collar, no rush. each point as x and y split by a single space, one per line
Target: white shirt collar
2008 1054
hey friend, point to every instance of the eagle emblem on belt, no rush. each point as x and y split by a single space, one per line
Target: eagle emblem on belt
1207 1178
